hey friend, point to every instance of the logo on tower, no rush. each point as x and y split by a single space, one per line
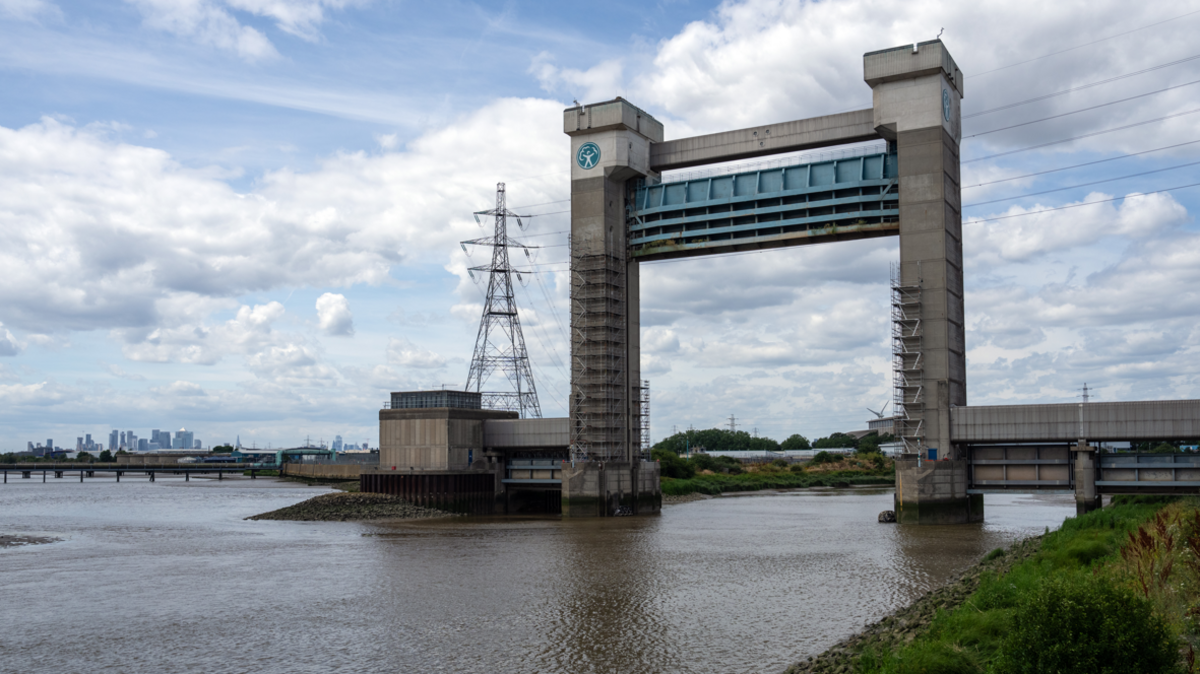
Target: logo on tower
588 156
946 104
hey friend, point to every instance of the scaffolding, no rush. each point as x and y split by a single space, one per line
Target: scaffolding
500 344
643 421
908 400
599 415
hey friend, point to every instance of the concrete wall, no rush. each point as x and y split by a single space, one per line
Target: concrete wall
1143 420
432 439
324 471
527 433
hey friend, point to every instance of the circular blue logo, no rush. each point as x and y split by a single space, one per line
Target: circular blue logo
588 156
946 104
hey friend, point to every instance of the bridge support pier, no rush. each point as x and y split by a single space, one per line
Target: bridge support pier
935 492
610 488
1087 498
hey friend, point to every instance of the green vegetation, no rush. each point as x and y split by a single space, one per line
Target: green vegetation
1117 590
105 457
223 449
795 441
716 440
704 474
721 440
782 479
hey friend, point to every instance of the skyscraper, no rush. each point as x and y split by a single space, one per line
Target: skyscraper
113 441
337 443
184 439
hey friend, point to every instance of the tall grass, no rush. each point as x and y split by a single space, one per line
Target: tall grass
1099 578
717 484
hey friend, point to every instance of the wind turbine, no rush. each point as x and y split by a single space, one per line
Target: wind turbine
879 414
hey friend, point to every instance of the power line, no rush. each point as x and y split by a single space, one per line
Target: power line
1076 112
1072 187
1082 86
561 201
1086 44
1088 203
1090 163
1086 135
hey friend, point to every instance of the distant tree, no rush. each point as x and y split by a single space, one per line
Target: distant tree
716 440
795 441
223 449
121 452
84 456
106 456
1165 448
836 441
869 444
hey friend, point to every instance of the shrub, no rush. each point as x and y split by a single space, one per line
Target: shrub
797 468
825 457
706 462
731 465
1087 625
671 465
780 463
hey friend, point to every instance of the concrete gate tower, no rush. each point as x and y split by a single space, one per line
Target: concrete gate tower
617 151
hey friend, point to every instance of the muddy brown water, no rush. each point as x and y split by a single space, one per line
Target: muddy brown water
168 577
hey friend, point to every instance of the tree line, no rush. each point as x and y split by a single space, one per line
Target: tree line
721 440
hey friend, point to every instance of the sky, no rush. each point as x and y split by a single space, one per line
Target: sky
242 216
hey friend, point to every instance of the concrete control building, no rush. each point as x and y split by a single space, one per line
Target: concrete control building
440 448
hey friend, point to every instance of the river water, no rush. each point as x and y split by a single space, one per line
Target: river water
168 577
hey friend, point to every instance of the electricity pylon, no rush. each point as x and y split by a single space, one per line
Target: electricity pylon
500 344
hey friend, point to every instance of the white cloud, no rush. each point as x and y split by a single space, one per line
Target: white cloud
600 82
206 23
180 388
8 344
27 10
333 315
100 234
406 354
210 23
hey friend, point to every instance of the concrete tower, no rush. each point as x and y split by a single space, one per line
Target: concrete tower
610 146
917 93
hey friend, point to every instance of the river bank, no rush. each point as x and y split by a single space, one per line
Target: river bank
1121 582
352 507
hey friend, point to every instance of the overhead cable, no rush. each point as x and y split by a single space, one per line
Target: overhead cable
1086 203
1089 163
1076 112
1082 86
1073 187
1086 135
1086 44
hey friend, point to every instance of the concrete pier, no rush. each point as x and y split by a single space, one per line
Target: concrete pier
1087 497
935 492
612 488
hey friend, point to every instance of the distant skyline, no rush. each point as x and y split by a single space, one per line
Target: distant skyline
245 216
